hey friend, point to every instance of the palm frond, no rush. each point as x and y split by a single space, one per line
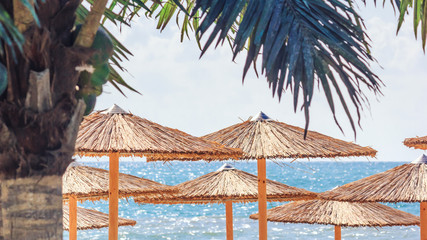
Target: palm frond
121 53
180 9
165 14
419 15
302 43
121 12
115 79
9 33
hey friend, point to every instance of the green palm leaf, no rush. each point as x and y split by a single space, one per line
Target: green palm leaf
9 33
419 16
122 12
302 43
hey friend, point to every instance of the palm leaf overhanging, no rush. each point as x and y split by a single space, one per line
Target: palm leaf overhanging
121 53
123 11
301 43
9 33
118 12
419 16
170 8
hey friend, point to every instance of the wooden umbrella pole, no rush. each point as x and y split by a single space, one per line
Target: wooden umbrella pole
72 221
423 220
262 199
337 232
113 214
229 219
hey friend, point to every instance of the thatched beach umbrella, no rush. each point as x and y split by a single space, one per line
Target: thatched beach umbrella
120 132
227 185
405 183
91 219
340 214
417 142
262 138
81 183
116 133
90 183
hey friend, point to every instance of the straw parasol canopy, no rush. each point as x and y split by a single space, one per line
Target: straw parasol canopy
91 219
89 183
116 133
405 183
337 213
227 184
417 142
116 130
263 137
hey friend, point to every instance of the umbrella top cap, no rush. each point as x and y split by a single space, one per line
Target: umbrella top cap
115 110
421 159
225 167
261 117
75 164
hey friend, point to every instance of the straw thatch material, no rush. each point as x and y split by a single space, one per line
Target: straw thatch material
117 131
91 219
89 183
227 184
417 142
340 214
405 183
265 138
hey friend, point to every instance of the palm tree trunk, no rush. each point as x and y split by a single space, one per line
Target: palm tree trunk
32 208
40 115
31 185
39 120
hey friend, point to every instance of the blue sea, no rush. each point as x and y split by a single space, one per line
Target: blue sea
188 222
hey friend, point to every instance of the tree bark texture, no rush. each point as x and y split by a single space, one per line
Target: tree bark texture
39 120
32 208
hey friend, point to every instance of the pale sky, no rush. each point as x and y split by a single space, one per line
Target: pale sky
203 96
